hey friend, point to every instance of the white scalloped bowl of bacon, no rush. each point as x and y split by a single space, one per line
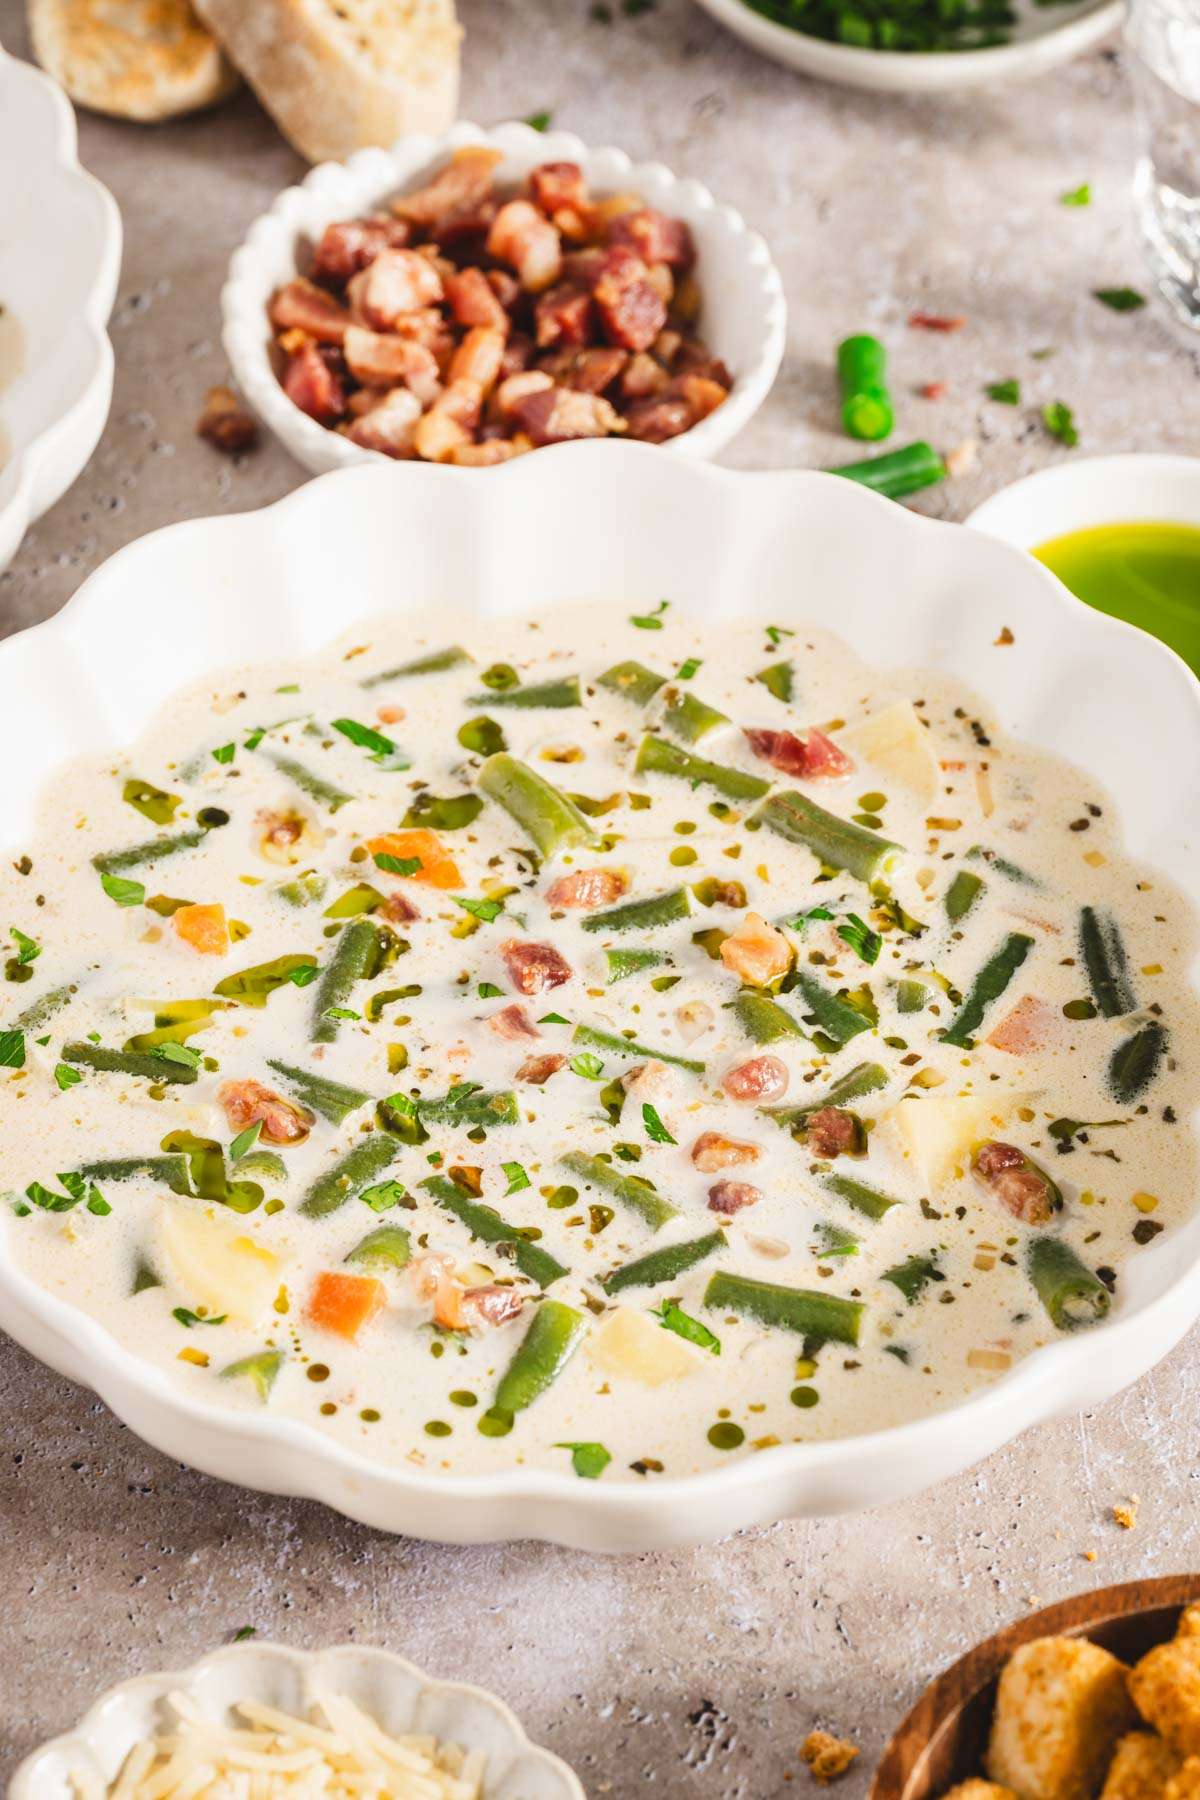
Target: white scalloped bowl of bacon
467 298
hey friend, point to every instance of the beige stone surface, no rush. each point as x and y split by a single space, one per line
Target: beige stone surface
697 1674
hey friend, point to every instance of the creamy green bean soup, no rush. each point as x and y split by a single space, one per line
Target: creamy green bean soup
592 1042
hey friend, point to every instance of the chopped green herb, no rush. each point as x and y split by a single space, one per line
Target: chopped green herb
587 1460
12 1049
650 621
367 738
188 1318
243 1633
122 890
553 1019
245 1141
487 990
864 942
516 1177
776 633
1121 300
384 1194
487 910
587 1065
656 1131
66 1076
1059 421
1008 393
1080 196
225 753
688 668
672 1318
539 121
27 949
397 865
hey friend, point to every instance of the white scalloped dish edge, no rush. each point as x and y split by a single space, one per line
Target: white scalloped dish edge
399 1696
744 319
60 254
613 523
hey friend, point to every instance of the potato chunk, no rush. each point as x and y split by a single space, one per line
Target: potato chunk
1060 1708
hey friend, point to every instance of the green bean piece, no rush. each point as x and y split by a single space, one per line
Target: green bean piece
555 1333
633 681
154 1065
115 862
633 1193
1106 963
911 996
485 1223
834 1016
987 987
1067 1288
387 1247
50 1003
171 1170
597 1039
435 662
261 1369
623 963
468 1105
687 717
913 1276
561 692
305 890
1011 871
267 1163
779 679
207 1176
331 1099
863 1079
658 757
361 898
154 803
804 1310
1134 1063
762 1019
549 819
664 1265
175 1021
897 472
357 957
962 894
643 915
352 1172
252 986
872 1202
325 793
836 843
862 376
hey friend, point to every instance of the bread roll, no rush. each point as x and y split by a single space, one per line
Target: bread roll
337 75
137 59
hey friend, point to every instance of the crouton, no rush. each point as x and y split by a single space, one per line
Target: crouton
1140 1769
1060 1707
1185 1783
1165 1687
1189 1621
977 1789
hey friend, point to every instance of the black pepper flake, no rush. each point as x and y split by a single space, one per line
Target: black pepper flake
1168 1113
1145 1230
929 1212
1109 1278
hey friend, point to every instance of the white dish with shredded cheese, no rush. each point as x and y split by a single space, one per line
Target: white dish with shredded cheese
263 1722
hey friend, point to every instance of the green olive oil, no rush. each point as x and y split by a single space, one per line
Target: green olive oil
1147 574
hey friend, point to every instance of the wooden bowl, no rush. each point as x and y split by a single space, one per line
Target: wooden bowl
943 1739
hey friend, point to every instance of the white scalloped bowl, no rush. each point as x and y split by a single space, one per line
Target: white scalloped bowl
397 1695
902 590
744 319
60 254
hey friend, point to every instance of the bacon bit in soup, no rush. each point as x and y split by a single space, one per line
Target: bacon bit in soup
539 1069
249 1102
762 1079
812 757
534 967
712 1150
923 321
587 888
756 952
512 1022
730 1197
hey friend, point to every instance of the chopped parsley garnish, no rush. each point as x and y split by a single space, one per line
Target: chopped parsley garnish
177 1053
1059 421
673 1318
367 738
255 737
122 890
587 1460
539 121
27 949
516 1177
245 1141
340 1012
1080 196
650 621
244 1632
12 1049
552 1019
396 865
862 940
188 1318
76 1189
302 974
383 1195
688 668
798 921
224 753
487 910
656 1131
776 634
66 1076
487 990
1007 393
1121 300
588 1065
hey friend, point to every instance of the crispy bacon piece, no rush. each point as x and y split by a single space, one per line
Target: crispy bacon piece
225 422
518 354
513 1022
451 420
729 1197
655 237
534 967
473 300
485 455
552 415
557 184
529 243
832 1131
700 394
923 321
655 421
761 1078
348 246
632 311
587 887
756 952
539 1069
398 909
516 388
1029 1027
483 1307
478 357
812 756
390 426
312 385
249 1102
643 377
588 371
563 315
1016 1183
384 359
456 1308
279 832
398 281
652 1077
456 199
584 267
712 1150
506 288
300 306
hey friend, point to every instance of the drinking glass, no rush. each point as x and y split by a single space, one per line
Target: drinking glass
1163 37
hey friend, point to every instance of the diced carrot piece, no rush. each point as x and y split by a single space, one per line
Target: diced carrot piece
437 867
204 928
345 1303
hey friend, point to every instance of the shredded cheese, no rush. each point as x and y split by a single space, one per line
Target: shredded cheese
340 1755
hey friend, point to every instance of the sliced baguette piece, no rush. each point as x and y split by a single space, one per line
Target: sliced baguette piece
338 75
137 59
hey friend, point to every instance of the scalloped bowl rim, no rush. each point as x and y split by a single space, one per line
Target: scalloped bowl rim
369 175
160 1683
790 1480
87 412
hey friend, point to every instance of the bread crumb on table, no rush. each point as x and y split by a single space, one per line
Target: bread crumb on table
827 1757
1126 1514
